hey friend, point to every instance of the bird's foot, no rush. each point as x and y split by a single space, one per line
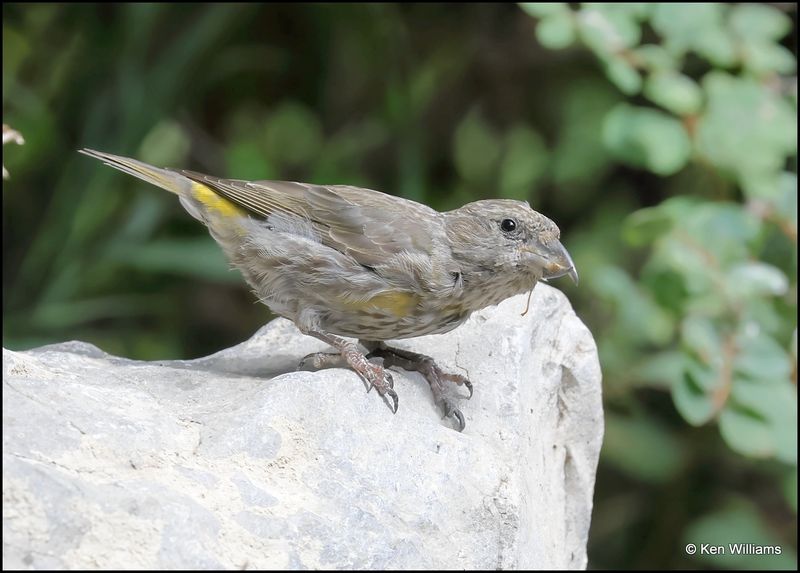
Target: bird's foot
448 407
426 366
373 375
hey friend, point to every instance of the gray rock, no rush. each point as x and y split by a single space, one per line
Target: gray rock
235 460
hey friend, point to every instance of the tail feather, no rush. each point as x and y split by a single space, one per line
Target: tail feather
166 179
200 200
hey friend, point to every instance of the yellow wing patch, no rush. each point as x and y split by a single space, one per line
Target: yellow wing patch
214 202
399 303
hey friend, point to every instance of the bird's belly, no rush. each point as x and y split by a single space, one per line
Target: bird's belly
375 323
320 288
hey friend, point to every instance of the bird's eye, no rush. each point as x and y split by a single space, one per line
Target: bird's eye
508 225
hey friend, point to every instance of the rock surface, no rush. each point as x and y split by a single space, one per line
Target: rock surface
237 461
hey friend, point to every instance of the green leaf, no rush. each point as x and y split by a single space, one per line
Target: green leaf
663 369
747 130
701 336
671 252
197 257
721 232
342 153
579 157
655 57
647 138
718 47
608 28
760 420
691 394
667 286
763 417
759 21
74 313
635 10
760 358
778 189
640 315
695 26
623 75
542 9
754 278
293 135
759 28
646 225
642 448
16 48
524 163
764 314
167 144
556 31
739 522
638 10
476 149
681 207
696 393
745 431
681 23
144 216
247 160
764 57
675 92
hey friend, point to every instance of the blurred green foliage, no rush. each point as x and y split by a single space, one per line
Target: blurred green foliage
708 311
660 137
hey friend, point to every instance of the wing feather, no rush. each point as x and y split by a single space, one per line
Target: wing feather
368 225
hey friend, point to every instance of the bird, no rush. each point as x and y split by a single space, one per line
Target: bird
344 262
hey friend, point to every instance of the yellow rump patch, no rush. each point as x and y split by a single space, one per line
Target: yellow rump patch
214 202
398 303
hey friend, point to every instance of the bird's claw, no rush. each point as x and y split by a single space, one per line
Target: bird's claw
468 384
388 381
377 377
393 395
456 379
451 411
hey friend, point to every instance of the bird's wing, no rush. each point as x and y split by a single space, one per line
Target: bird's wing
368 225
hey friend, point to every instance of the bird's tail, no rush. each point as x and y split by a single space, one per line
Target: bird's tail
166 179
199 199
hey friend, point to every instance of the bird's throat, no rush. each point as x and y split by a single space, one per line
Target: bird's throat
491 287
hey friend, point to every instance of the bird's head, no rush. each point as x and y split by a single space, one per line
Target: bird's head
506 237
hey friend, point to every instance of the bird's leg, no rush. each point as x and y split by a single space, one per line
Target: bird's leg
349 354
425 365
